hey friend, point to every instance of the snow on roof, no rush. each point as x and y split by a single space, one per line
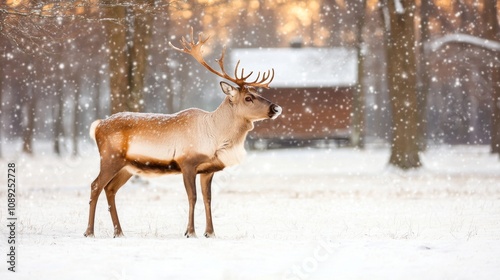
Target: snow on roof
301 67
463 38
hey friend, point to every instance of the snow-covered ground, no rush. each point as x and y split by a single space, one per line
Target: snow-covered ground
282 214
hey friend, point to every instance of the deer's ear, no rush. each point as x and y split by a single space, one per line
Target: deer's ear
228 89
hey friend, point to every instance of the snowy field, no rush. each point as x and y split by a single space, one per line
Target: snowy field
282 214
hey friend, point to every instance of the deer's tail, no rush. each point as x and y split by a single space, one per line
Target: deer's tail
93 127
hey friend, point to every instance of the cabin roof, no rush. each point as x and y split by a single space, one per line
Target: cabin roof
302 67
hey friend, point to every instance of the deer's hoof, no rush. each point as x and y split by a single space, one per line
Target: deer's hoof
190 234
88 234
209 235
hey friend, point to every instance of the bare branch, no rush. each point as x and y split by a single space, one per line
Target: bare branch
31 26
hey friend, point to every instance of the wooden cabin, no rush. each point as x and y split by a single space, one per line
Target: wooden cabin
313 85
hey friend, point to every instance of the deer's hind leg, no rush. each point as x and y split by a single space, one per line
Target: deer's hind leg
106 174
111 189
95 191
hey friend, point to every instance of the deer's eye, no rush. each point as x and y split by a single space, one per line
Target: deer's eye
248 99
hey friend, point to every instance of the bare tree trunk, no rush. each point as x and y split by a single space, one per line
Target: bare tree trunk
127 63
2 40
170 84
358 118
58 118
77 115
102 109
495 118
58 110
29 129
423 74
492 33
165 73
401 70
118 61
30 102
97 97
142 27
1 107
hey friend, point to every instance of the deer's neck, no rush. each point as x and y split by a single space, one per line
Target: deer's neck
229 131
229 127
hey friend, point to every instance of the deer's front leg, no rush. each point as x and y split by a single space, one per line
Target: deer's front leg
189 177
206 190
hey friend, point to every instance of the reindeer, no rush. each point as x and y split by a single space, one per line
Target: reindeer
190 142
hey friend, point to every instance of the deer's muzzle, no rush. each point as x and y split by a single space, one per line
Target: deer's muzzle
274 111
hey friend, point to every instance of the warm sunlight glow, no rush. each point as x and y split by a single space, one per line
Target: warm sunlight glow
14 3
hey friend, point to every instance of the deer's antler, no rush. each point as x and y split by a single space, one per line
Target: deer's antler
194 49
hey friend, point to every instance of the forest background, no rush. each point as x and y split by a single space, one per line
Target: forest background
429 71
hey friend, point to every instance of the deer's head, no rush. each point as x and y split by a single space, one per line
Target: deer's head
249 104
244 99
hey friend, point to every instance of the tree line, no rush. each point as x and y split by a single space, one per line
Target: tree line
66 63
